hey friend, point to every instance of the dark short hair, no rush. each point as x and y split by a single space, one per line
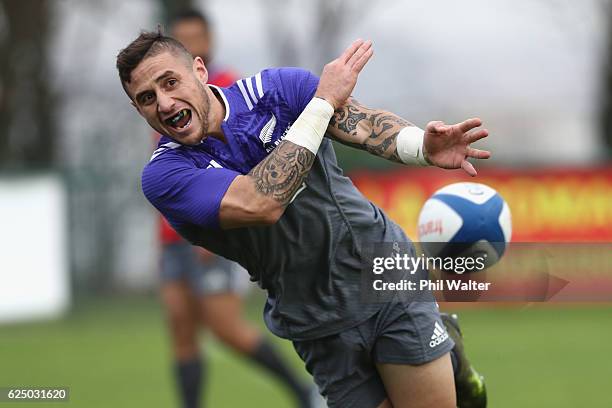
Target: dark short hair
147 44
191 14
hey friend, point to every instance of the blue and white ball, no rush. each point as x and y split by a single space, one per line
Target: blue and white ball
465 220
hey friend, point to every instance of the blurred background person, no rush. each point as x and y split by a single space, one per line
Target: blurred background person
200 288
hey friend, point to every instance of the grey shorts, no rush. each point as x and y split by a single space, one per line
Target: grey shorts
179 261
344 365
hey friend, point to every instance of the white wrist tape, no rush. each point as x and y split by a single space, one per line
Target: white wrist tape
309 128
410 146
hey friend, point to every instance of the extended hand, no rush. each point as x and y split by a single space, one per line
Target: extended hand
448 146
340 75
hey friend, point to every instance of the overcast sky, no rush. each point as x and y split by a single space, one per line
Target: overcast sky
529 68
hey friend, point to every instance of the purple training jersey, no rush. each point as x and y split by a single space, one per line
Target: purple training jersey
196 178
310 261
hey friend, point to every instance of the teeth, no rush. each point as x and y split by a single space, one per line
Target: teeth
182 127
178 116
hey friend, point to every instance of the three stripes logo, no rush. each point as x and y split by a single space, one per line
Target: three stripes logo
439 335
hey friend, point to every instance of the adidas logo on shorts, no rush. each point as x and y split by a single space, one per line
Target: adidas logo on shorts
439 335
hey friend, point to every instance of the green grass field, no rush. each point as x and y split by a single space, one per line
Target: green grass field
115 353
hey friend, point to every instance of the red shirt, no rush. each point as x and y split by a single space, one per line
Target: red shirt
222 78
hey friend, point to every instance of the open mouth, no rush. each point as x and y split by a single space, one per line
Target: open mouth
180 120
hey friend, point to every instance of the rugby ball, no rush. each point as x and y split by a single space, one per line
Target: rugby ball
465 220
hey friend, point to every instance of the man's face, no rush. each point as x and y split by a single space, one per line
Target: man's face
194 35
169 92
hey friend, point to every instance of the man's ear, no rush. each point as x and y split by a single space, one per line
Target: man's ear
199 69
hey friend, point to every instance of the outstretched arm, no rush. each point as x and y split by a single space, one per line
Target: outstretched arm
380 132
261 196
372 130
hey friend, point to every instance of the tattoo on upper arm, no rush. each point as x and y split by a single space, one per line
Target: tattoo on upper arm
367 129
282 172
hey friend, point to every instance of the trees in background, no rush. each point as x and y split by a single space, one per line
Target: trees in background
28 136
606 92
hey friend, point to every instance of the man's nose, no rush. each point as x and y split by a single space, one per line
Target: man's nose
165 103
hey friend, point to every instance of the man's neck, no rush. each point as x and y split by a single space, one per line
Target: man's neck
217 110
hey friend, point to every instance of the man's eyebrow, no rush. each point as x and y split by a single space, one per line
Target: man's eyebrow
165 75
160 78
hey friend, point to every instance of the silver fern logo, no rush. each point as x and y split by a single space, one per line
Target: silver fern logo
266 133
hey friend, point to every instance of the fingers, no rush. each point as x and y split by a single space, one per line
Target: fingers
476 135
478 154
437 126
470 124
363 60
360 56
339 76
455 142
468 168
348 53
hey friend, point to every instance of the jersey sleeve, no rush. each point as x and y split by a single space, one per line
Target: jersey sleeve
184 193
297 86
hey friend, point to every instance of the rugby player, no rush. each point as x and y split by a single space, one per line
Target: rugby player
199 287
246 172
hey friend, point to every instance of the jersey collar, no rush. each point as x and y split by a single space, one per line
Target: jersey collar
227 107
